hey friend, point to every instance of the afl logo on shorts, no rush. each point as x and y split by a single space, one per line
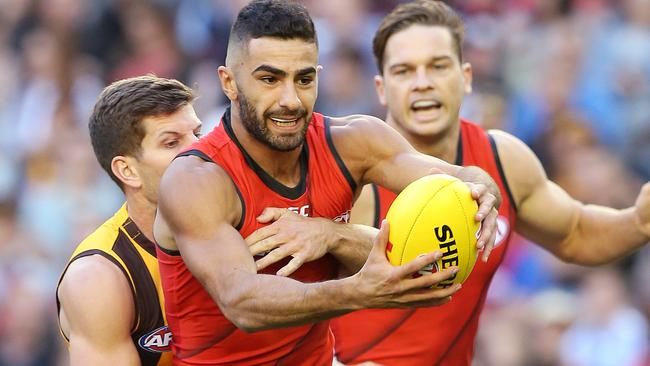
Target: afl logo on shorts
158 340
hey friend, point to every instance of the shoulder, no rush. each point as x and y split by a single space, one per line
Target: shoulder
512 151
94 289
364 134
193 187
522 168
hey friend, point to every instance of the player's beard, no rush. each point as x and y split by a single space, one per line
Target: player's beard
259 130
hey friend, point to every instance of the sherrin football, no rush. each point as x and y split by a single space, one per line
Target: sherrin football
435 212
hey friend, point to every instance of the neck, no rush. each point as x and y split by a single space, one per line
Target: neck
443 145
284 166
142 212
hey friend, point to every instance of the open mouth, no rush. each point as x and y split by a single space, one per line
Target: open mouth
426 110
425 105
284 122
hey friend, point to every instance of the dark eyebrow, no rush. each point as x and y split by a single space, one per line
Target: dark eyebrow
271 70
306 71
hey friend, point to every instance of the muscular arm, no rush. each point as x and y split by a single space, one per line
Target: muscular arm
201 226
376 153
571 230
97 313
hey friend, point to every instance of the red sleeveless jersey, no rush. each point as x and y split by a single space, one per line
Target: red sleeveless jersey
442 335
201 333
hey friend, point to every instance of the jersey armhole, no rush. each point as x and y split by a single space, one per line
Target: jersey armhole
337 157
205 157
497 160
375 195
88 253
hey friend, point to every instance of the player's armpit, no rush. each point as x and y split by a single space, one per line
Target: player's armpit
97 313
363 210
545 213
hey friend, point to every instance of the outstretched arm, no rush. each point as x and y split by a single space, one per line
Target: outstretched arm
201 227
572 231
376 153
97 313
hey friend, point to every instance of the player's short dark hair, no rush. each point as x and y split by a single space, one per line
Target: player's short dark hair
273 18
114 125
423 12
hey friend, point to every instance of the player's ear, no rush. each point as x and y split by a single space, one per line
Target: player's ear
228 83
379 87
467 76
126 171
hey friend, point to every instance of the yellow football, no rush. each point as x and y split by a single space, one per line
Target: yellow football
435 212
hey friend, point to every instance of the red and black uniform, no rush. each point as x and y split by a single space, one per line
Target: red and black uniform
202 334
442 335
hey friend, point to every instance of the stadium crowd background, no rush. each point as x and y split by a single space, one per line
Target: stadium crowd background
569 77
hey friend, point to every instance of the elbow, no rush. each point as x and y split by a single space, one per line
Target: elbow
234 309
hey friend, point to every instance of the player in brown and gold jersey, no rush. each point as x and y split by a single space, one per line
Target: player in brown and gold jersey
109 297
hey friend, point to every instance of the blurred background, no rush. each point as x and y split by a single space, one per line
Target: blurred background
569 77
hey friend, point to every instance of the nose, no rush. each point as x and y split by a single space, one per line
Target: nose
289 98
422 80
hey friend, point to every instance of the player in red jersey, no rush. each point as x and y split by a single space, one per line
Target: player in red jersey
422 82
271 149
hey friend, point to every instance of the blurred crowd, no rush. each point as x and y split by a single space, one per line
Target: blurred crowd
569 77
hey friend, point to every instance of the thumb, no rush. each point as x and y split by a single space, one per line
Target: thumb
270 214
380 242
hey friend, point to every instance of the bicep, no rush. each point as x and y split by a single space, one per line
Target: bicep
376 153
98 306
201 224
545 212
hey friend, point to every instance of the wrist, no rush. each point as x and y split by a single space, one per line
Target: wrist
348 292
333 235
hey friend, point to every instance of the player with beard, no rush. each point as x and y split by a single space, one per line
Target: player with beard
422 79
271 149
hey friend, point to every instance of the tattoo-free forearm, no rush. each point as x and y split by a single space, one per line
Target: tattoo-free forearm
261 302
601 235
352 245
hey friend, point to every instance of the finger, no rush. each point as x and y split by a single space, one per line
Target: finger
271 214
423 260
431 280
489 247
486 202
273 256
292 266
261 234
488 228
266 245
477 190
380 241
